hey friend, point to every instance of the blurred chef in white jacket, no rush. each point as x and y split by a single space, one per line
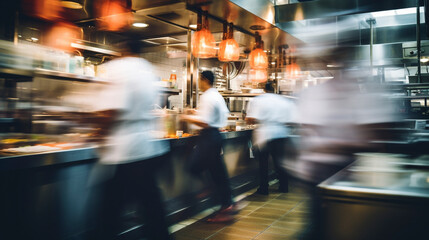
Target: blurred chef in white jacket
271 138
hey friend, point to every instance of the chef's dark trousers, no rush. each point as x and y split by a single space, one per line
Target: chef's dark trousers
207 157
134 180
278 149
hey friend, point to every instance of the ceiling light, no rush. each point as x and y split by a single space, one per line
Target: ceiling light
71 4
34 39
228 48
203 42
333 66
403 11
193 26
424 60
258 58
140 25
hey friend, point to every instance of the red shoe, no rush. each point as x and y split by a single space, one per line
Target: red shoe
221 218
235 208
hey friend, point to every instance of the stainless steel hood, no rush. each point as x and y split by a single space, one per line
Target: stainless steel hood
344 22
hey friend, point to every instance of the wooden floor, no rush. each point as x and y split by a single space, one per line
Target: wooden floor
276 216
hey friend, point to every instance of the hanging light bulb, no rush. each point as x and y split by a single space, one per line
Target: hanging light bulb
293 70
45 9
258 75
203 42
228 48
258 58
62 35
114 15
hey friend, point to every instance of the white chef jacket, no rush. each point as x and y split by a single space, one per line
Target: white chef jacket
272 112
212 109
133 93
338 108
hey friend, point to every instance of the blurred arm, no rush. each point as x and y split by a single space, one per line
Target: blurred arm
194 120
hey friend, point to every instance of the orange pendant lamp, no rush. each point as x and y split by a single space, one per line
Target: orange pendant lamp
293 70
203 42
258 58
45 9
228 48
62 35
258 75
113 15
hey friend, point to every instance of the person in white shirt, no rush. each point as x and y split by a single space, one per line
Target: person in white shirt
211 115
271 112
130 149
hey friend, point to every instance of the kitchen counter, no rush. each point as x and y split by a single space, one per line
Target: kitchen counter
389 200
52 196
14 162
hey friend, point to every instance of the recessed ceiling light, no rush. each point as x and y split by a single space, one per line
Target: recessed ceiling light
193 26
71 4
333 66
34 39
140 25
424 60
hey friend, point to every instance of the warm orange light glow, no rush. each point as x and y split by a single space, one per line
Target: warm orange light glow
258 59
203 44
229 50
45 9
258 75
293 70
62 35
114 15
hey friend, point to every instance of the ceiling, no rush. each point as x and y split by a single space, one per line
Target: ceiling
309 25
172 19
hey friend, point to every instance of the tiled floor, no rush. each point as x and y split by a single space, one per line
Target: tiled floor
276 216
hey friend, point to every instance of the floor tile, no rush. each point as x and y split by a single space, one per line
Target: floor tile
272 217
263 221
239 231
272 236
250 226
282 231
223 236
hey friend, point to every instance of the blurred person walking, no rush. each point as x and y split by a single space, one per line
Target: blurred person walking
337 119
130 151
271 112
211 115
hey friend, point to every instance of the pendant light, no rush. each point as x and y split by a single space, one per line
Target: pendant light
228 48
113 15
203 42
61 36
258 58
258 75
293 70
45 9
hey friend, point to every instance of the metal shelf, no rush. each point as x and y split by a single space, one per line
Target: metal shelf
171 91
240 94
19 75
66 76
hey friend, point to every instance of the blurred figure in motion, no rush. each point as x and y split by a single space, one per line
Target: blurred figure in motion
211 115
130 151
337 119
272 112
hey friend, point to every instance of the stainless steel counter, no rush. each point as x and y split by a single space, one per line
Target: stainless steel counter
50 195
405 178
390 200
15 162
